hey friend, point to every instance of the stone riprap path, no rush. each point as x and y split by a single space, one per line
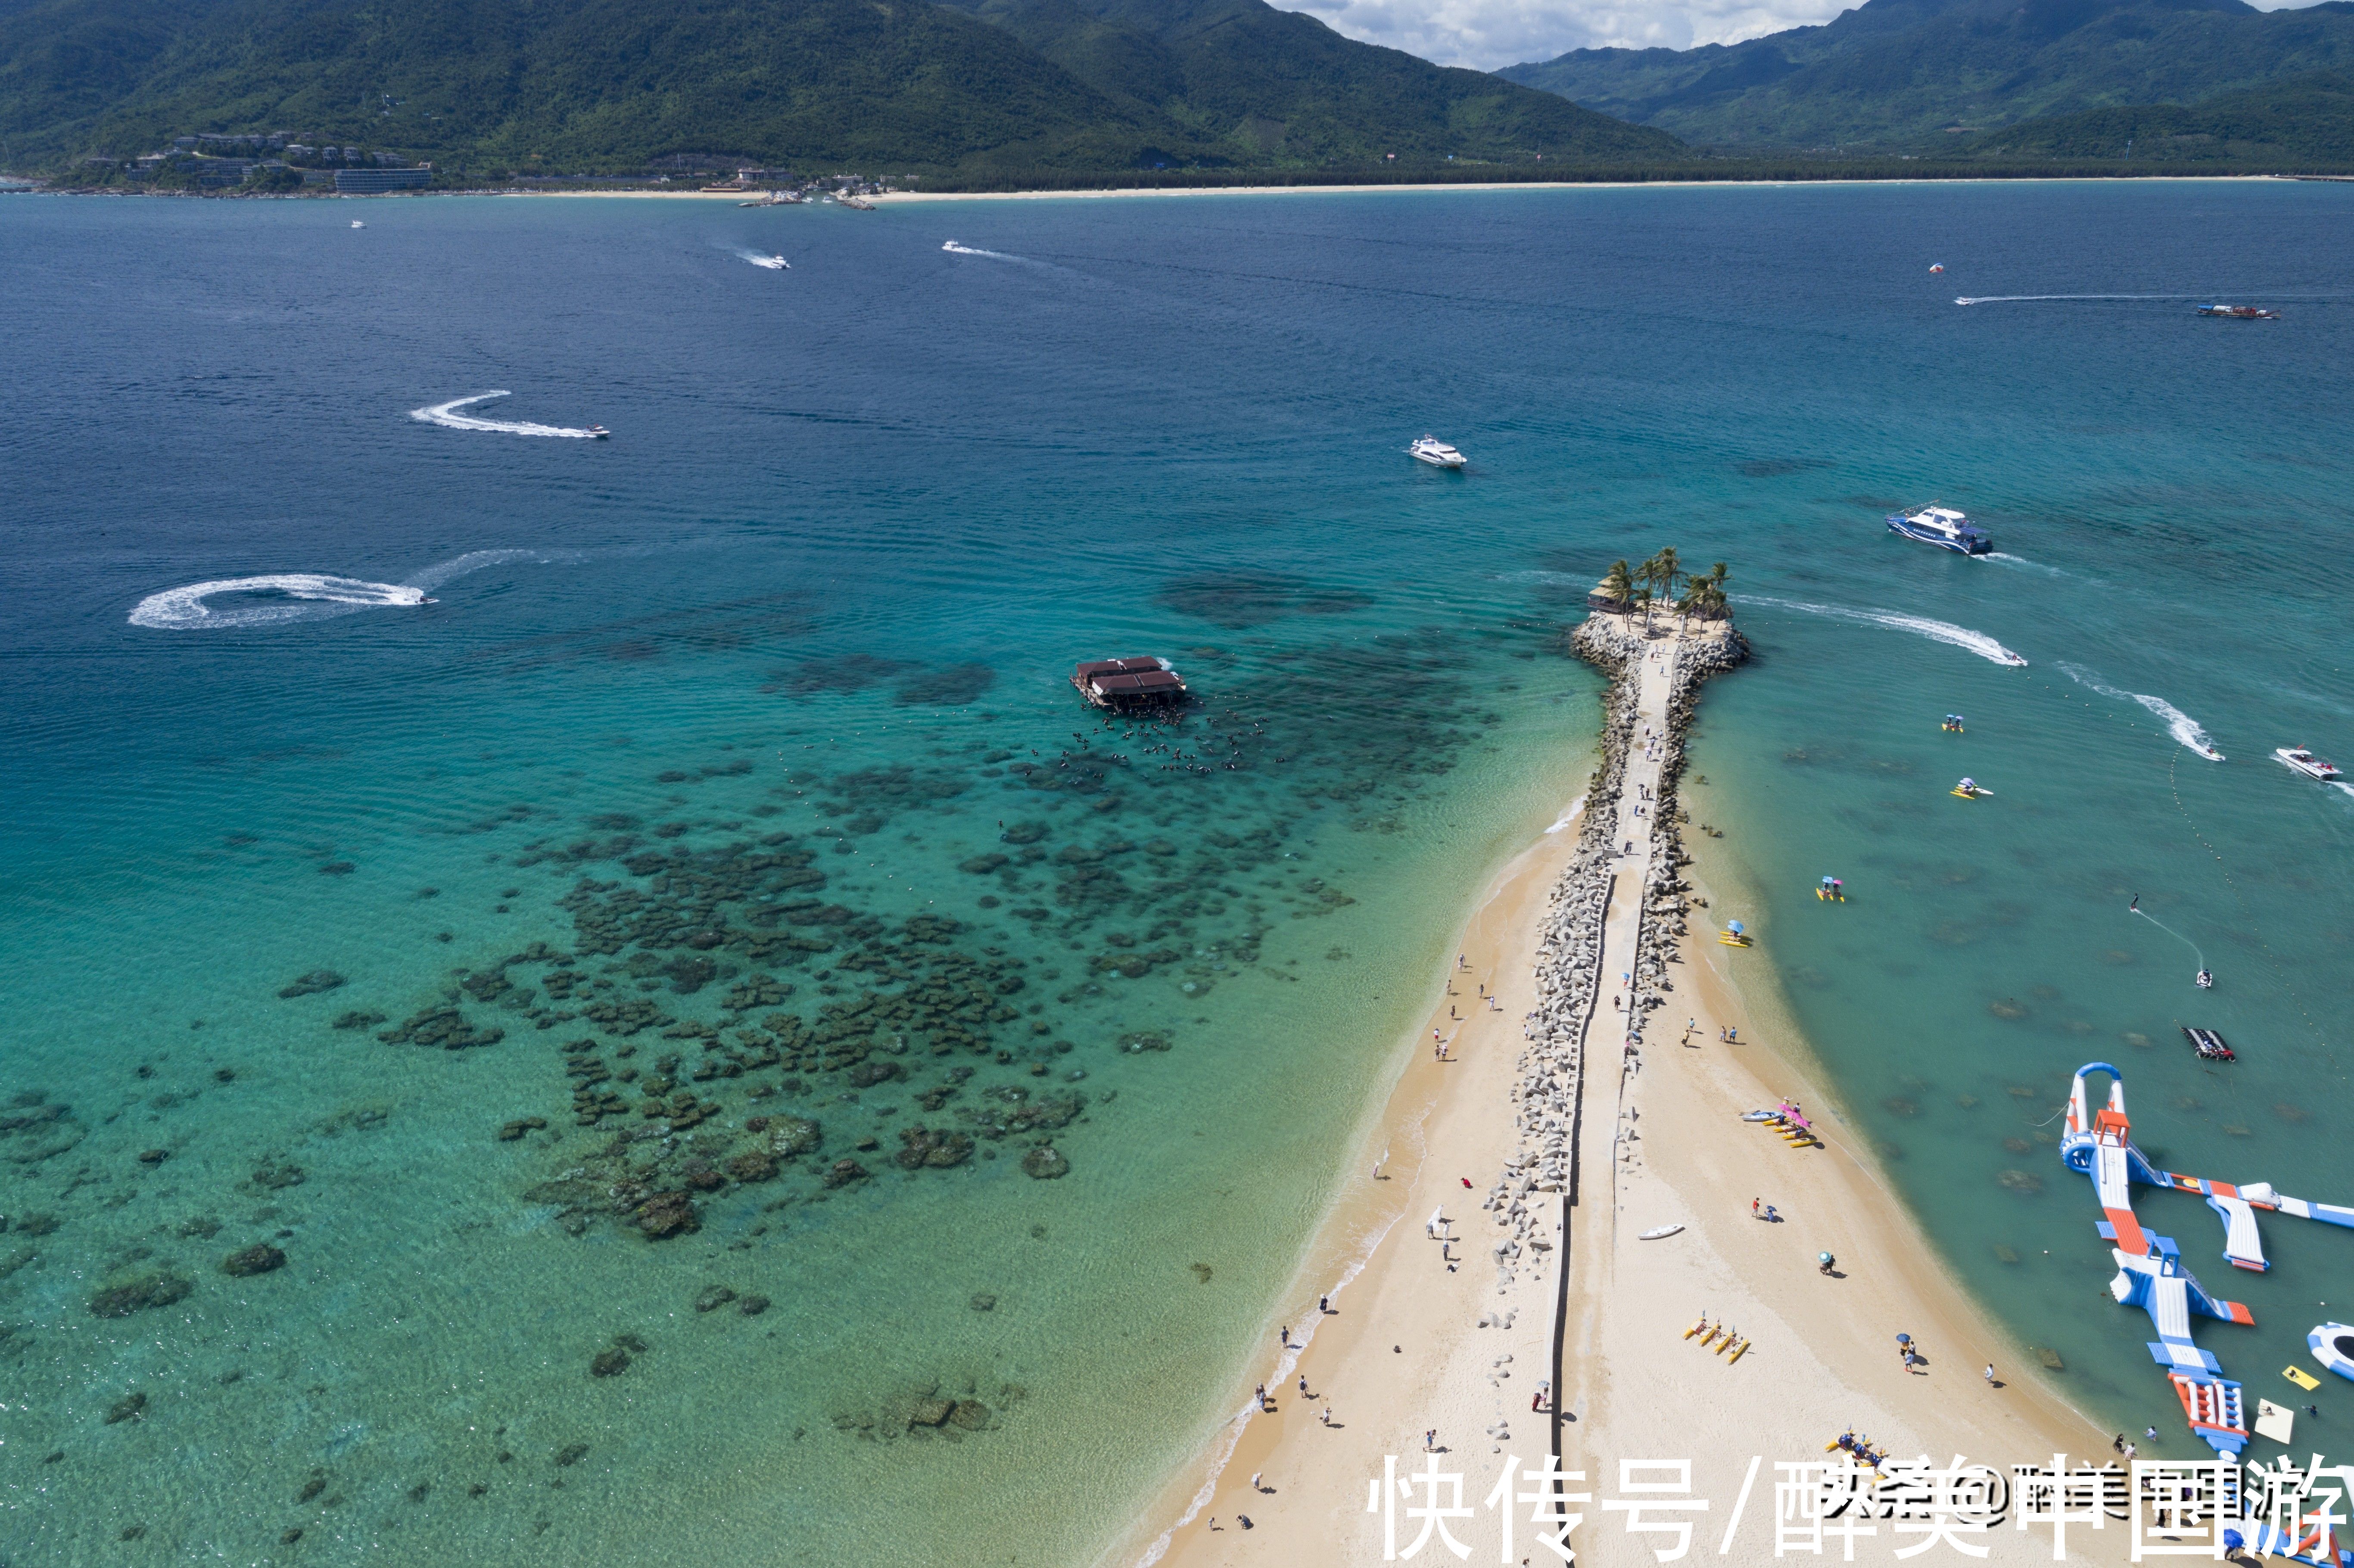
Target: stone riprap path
1616 916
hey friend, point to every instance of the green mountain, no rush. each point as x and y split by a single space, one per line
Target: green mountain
2307 119
1913 74
1261 83
806 84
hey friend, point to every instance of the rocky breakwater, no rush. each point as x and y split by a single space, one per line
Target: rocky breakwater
1570 955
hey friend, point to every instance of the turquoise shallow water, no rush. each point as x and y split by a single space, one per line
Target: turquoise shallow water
737 721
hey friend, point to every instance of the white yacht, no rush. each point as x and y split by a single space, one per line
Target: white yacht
2305 762
1436 452
1941 526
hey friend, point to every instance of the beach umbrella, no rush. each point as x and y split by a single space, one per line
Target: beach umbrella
1822 1258
1903 1339
1734 928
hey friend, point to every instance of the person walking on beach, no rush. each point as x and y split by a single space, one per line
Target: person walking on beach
1286 1336
1325 1303
1303 1385
1255 1476
1326 1417
1429 1439
1752 1208
1989 1374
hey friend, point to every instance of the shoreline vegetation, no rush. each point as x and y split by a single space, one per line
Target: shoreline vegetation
1232 181
1528 1313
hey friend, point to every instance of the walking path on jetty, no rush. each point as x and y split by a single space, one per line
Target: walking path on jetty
1496 1253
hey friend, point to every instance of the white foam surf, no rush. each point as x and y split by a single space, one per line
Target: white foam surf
1944 632
277 598
953 249
2026 299
446 415
2180 725
2335 784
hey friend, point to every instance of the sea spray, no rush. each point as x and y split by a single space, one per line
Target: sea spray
446 415
289 596
1944 632
2180 725
278 599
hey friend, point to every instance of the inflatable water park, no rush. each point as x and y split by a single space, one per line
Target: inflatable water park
2098 1143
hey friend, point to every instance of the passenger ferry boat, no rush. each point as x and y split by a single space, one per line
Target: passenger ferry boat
1436 452
2240 312
1941 526
2305 762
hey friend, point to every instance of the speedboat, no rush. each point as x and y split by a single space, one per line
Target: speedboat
1436 452
773 263
2305 762
357 224
1942 526
2240 312
599 432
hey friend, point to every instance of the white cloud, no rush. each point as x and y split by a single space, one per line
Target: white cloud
1486 33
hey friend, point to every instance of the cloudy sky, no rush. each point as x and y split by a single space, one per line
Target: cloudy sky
1486 33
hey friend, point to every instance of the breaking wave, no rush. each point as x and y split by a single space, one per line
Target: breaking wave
277 598
2180 725
1962 637
446 415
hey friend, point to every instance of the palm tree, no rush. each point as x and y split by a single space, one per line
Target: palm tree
1669 570
1704 593
1618 585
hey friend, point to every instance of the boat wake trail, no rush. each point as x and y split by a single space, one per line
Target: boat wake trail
278 598
446 415
773 263
2180 725
1944 632
953 249
2336 784
2024 299
2023 561
270 600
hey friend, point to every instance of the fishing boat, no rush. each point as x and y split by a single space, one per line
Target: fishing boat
1122 684
2303 761
1436 452
2240 312
2209 1045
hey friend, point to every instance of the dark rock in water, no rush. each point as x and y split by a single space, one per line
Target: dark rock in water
700 1175
416 1494
37 1225
610 1362
153 1156
137 1295
127 1408
358 1019
869 1144
668 1214
1023 833
312 1487
688 976
923 1146
274 1175
337 868
289 1535
713 1297
1144 1040
970 1415
514 1129
984 1302
753 1165
203 1226
312 983
259 1258
931 1412
752 1306
792 1135
443 1026
869 1073
1044 1164
572 1453
844 1172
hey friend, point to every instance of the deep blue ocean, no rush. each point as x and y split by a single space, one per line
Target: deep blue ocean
617 1005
